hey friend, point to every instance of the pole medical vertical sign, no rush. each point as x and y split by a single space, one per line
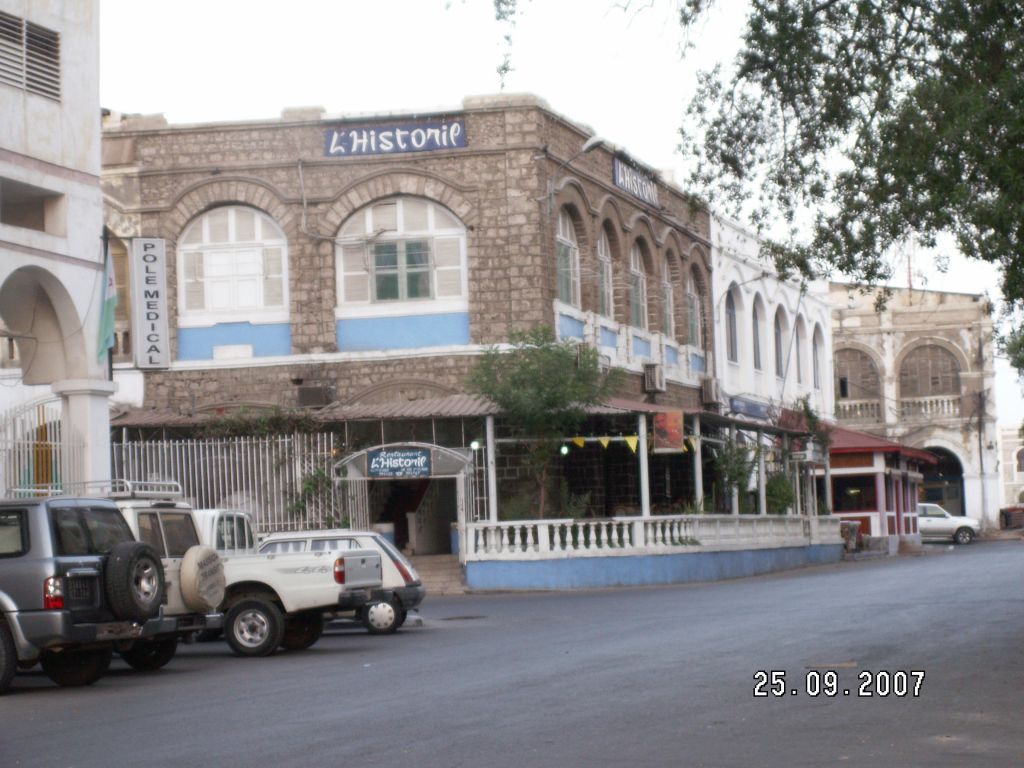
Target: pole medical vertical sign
150 337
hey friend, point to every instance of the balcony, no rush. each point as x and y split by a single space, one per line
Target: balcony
940 407
859 411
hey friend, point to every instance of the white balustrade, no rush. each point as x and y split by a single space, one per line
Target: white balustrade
858 410
946 406
601 537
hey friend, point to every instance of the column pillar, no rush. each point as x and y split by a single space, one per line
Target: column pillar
734 493
762 496
645 488
85 428
492 472
698 466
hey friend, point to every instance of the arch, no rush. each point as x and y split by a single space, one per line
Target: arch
639 269
228 190
608 254
570 188
856 375
696 308
780 341
609 210
1020 461
733 322
669 274
929 370
50 336
943 483
399 390
641 226
568 228
923 341
393 182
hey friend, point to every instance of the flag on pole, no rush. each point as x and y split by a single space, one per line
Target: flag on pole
108 296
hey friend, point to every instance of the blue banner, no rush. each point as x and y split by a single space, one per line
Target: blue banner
389 139
400 462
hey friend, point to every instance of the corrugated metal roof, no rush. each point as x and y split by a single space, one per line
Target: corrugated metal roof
845 440
451 406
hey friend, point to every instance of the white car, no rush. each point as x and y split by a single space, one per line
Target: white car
934 522
402 590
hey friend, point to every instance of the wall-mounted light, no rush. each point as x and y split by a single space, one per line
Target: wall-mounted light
564 450
475 445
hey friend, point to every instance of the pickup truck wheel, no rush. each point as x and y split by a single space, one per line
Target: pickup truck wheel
381 617
402 615
253 627
76 667
149 655
963 536
8 657
202 579
135 581
300 632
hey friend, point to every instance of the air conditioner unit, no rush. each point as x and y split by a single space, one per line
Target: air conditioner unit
654 377
710 392
313 397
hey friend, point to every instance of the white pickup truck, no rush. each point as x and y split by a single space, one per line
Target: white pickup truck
276 600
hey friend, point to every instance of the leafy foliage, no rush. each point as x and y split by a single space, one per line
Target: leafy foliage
734 465
894 120
543 387
778 493
249 423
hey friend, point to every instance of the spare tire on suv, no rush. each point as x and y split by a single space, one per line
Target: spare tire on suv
134 579
202 579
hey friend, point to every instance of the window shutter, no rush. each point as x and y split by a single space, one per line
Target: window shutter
194 294
448 267
355 277
12 50
273 278
42 61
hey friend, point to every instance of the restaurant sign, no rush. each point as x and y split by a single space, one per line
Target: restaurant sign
398 462
634 182
390 138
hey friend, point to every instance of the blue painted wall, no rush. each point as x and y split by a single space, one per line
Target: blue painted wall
406 332
609 338
671 355
592 572
641 347
267 340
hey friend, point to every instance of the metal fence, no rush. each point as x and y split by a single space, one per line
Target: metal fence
283 481
34 449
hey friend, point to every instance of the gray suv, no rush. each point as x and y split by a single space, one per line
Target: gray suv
75 586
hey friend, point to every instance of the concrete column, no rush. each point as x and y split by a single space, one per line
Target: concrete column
85 438
492 472
698 465
762 496
828 483
645 486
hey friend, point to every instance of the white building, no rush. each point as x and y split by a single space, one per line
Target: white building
55 384
1011 463
773 337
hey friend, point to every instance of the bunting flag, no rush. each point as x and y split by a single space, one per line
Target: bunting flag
579 442
108 297
632 442
603 441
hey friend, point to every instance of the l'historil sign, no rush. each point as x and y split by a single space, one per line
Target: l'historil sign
150 338
389 139
400 462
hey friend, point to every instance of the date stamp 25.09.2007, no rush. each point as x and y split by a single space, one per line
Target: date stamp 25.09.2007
884 683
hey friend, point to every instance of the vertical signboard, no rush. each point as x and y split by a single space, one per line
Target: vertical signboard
669 432
150 338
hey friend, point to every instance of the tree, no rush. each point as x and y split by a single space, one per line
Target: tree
543 387
892 120
864 124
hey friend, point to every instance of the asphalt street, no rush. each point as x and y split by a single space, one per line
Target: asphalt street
660 676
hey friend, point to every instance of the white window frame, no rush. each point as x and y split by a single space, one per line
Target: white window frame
755 319
732 342
267 236
360 233
637 289
567 257
779 334
816 361
668 302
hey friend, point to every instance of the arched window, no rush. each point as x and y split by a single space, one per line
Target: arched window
637 288
731 342
856 376
232 266
606 288
780 352
668 303
568 257
800 341
405 249
755 323
695 308
816 345
1020 461
929 370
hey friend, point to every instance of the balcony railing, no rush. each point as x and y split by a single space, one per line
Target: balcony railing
942 407
617 536
858 410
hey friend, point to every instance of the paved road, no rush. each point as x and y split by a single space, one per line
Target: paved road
639 677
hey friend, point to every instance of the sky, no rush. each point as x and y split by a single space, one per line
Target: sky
613 65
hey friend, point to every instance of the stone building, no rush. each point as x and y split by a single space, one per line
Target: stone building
54 385
1011 465
316 260
921 372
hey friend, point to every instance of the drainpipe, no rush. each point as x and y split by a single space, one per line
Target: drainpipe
645 490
